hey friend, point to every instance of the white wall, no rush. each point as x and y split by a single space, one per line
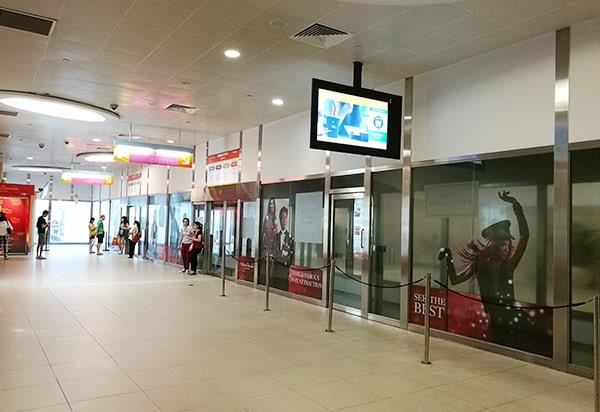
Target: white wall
200 166
285 151
584 115
397 88
180 180
249 154
499 101
158 180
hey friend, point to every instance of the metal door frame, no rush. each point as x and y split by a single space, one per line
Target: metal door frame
354 194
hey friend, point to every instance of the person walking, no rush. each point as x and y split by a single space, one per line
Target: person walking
123 234
92 229
185 243
134 238
5 231
41 226
100 235
196 247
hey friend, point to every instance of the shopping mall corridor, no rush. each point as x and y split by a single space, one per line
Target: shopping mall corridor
103 333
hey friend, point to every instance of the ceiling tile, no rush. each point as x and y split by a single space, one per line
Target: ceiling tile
210 28
293 24
395 30
71 29
434 15
468 28
455 54
249 42
188 5
46 8
474 5
428 43
496 40
235 11
309 9
514 11
158 13
167 60
100 15
137 37
356 18
118 58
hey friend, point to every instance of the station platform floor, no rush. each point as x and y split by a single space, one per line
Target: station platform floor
80 332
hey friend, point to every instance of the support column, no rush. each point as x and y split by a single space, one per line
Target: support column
405 239
562 201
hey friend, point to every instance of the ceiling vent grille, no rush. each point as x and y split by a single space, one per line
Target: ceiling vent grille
321 36
4 136
180 108
26 22
8 113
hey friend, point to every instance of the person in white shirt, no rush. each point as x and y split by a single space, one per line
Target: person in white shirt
185 242
5 230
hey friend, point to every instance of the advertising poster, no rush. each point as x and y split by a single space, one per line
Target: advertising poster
157 231
18 214
277 239
222 168
304 282
245 268
134 184
308 220
153 154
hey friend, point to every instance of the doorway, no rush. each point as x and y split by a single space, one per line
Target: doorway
221 237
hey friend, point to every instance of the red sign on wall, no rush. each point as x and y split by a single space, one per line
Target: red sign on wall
13 189
245 268
18 214
305 282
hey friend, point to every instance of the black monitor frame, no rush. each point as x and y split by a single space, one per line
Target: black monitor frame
394 120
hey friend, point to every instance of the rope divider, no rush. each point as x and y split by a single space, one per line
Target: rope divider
509 306
299 269
379 286
254 260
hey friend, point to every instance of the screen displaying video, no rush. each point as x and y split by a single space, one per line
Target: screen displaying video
352 120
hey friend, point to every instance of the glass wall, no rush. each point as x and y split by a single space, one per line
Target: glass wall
69 222
585 251
115 219
248 241
292 232
386 190
157 229
180 208
95 212
495 219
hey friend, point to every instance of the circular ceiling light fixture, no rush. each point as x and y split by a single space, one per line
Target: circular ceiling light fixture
97 157
95 139
277 101
171 141
55 106
40 169
232 53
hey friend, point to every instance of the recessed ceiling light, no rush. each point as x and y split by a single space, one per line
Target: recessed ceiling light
29 158
277 102
278 24
170 141
232 53
66 60
103 167
96 139
97 157
55 106
136 137
45 169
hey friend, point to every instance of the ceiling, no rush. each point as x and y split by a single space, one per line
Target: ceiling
146 54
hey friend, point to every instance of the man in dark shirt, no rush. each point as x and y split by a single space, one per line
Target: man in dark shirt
41 226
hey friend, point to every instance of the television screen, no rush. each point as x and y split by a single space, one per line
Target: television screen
355 120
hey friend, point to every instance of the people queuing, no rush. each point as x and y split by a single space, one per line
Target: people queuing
100 235
185 244
196 247
134 238
5 231
92 229
123 234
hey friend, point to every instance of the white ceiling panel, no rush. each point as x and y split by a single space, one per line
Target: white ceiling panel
158 13
468 28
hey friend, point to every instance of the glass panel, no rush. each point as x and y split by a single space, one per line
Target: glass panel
585 251
200 217
386 234
216 231
181 208
249 238
115 218
157 212
96 210
230 218
69 222
347 246
340 182
496 218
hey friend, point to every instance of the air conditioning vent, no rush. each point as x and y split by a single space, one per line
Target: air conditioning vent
4 136
321 36
8 113
180 108
26 22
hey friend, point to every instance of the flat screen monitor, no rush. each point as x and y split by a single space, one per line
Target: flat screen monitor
355 120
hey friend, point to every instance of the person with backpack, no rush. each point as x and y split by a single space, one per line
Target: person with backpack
5 231
92 231
134 238
196 247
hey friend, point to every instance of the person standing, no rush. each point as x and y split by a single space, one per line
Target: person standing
185 243
5 231
92 229
196 247
134 238
100 235
123 234
41 226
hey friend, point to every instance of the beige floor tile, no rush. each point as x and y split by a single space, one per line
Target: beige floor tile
222 368
57 408
23 361
481 391
26 377
134 363
84 369
247 386
187 396
130 402
302 376
65 354
286 400
164 377
30 397
387 383
98 386
339 395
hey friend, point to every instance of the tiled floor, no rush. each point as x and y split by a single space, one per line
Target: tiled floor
104 333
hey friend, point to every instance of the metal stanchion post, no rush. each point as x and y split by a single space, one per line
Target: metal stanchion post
426 325
330 297
223 278
596 354
268 282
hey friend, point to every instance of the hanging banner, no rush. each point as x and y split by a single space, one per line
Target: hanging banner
134 184
153 154
222 168
86 177
305 282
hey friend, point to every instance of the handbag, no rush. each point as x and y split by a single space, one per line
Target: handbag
9 230
115 241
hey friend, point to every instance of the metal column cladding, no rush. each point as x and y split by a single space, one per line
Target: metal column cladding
562 200
406 221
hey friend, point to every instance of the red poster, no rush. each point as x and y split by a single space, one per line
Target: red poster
438 309
17 213
13 189
305 282
246 268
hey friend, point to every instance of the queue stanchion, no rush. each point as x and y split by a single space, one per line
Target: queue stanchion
223 278
596 353
268 282
330 297
426 323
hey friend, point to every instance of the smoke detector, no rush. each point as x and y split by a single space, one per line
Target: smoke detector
180 108
321 36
